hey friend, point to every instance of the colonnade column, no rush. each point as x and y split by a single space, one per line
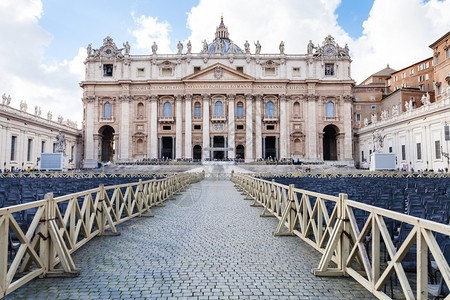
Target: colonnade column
249 128
206 153
125 126
231 127
283 124
179 127
258 127
153 140
348 147
188 126
312 135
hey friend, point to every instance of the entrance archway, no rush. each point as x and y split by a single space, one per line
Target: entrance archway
270 148
330 133
167 147
240 153
197 152
107 142
219 142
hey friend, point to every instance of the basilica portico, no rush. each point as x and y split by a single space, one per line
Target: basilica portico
222 103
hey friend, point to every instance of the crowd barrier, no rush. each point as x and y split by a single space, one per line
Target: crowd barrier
328 224
62 225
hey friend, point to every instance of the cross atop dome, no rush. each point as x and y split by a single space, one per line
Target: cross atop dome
222 42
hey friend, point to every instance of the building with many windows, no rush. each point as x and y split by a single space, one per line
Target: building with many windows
24 136
222 103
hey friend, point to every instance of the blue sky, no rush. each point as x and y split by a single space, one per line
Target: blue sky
44 41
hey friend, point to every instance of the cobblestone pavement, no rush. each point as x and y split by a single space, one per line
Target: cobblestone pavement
207 244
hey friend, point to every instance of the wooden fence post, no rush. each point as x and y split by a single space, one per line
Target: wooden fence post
4 237
103 214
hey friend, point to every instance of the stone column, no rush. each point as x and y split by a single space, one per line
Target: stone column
249 128
125 127
89 145
206 153
258 127
348 148
188 126
179 127
283 130
231 126
311 120
153 138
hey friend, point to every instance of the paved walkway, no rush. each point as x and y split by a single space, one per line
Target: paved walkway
207 244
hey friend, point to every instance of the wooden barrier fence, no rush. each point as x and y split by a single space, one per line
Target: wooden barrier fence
62 225
328 224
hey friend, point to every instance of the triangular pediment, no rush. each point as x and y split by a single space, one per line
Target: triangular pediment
218 72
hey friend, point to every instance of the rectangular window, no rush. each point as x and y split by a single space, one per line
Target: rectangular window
437 149
437 60
239 127
329 69
270 127
107 70
71 152
427 64
419 151
140 72
197 127
420 67
403 75
240 69
54 148
421 78
403 85
358 117
403 152
13 147
197 111
421 87
390 149
427 76
42 146
447 132
269 71
167 127
29 149
196 69
411 72
167 72
447 53
373 107
362 156
395 78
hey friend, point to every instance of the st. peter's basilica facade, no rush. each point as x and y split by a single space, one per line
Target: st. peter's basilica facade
222 103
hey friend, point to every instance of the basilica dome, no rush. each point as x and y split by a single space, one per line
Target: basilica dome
221 43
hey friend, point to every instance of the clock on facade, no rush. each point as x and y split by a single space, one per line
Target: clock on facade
329 50
108 51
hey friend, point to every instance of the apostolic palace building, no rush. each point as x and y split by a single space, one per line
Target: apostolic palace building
225 102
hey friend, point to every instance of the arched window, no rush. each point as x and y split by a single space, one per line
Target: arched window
269 109
218 108
197 110
140 110
330 109
240 110
167 109
107 110
296 110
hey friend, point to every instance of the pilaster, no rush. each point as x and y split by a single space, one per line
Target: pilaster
283 125
153 127
125 126
258 127
231 126
179 127
249 128
188 126
311 120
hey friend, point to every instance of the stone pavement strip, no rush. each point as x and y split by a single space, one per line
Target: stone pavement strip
208 243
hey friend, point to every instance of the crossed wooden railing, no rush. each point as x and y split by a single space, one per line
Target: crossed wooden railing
62 225
328 224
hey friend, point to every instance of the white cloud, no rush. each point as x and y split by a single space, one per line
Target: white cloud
24 76
270 22
149 30
398 33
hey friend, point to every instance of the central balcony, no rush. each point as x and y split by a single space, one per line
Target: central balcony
270 119
218 119
169 119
